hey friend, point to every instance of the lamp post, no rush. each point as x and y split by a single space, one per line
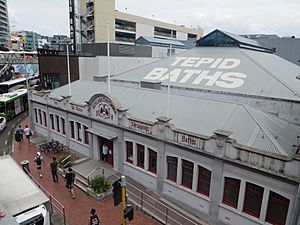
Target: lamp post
28 89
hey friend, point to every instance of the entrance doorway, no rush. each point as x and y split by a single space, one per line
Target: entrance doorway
110 152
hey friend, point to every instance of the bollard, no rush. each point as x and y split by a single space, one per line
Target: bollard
25 166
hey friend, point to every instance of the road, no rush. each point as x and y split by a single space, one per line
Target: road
7 135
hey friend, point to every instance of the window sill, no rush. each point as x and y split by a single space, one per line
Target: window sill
79 142
190 191
243 214
140 169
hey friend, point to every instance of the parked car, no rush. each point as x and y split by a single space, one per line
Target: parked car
2 123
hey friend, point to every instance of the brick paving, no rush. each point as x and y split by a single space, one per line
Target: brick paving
76 210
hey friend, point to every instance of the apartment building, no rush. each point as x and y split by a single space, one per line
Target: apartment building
123 28
4 24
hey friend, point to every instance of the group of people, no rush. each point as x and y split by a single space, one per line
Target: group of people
69 176
20 132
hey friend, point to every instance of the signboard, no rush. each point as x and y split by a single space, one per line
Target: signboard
140 127
103 108
190 70
78 109
188 140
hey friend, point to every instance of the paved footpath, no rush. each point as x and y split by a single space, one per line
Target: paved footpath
76 210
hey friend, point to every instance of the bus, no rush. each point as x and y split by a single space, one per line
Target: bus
13 103
12 85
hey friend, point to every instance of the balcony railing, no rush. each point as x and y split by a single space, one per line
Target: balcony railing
124 27
124 39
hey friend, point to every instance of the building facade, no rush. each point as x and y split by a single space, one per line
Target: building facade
123 27
228 160
4 25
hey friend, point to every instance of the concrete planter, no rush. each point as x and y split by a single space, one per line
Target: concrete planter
99 197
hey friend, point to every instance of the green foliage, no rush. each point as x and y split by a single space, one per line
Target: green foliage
100 185
65 161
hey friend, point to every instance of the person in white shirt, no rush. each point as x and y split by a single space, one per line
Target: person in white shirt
27 133
105 152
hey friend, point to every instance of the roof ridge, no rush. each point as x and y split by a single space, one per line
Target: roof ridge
273 75
266 131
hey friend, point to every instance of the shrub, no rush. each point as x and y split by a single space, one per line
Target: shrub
100 185
65 161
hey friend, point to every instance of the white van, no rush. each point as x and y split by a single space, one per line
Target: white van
20 195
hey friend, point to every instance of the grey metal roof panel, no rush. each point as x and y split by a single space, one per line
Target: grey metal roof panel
197 115
256 73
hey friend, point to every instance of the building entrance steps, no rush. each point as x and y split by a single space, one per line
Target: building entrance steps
90 168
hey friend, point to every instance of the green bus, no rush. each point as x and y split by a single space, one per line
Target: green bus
13 103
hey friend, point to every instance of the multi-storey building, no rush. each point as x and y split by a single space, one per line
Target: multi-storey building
4 24
123 27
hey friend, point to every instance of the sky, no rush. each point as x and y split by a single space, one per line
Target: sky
281 17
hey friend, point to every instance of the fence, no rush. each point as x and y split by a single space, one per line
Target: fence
54 203
150 205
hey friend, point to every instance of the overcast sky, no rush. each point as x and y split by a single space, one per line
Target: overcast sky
281 17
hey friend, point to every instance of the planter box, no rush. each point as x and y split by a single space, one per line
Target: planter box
99 197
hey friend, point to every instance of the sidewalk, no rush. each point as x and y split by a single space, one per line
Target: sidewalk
77 210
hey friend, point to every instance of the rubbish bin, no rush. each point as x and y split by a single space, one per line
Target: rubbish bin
25 166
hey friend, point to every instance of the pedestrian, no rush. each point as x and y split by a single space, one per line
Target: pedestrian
21 132
28 133
105 152
53 166
94 219
18 139
70 179
38 161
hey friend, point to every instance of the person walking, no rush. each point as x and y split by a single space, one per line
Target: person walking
53 167
94 219
21 132
18 139
28 133
70 179
38 161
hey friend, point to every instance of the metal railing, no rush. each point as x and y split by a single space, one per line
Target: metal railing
146 203
54 203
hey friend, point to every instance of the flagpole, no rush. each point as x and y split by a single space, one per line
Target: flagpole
68 66
108 59
169 77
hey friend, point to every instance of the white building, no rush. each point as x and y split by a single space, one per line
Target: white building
226 148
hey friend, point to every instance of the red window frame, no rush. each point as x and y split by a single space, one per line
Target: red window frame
187 174
63 124
72 129
152 161
129 152
231 187
140 155
86 135
253 193
52 121
36 115
57 123
45 118
275 201
172 167
78 126
204 179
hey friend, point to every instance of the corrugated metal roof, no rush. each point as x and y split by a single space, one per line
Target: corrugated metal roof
250 127
255 73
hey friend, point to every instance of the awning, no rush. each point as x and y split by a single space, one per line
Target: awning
102 133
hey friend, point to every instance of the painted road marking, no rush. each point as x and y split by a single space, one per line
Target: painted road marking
8 132
4 152
12 126
19 119
6 142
